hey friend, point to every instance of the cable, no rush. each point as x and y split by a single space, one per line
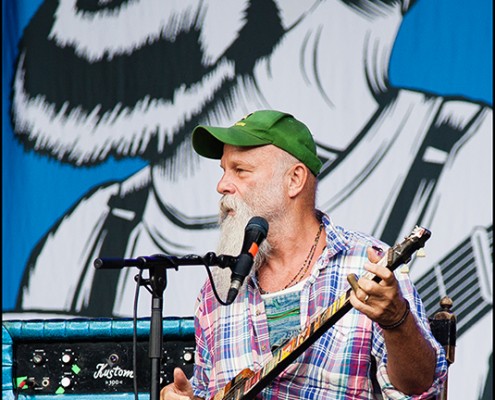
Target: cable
134 335
223 303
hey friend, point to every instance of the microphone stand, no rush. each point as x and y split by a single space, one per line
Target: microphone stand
158 283
157 266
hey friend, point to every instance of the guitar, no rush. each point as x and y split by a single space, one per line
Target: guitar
247 384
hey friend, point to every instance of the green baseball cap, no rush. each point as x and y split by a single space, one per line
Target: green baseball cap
257 129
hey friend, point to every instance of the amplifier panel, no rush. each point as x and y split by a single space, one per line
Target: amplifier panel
88 357
87 367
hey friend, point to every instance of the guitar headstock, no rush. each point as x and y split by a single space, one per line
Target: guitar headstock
402 252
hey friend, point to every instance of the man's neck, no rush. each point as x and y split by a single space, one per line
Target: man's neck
291 244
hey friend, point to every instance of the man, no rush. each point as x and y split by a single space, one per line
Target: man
270 169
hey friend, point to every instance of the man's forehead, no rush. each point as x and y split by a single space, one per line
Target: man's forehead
256 156
250 151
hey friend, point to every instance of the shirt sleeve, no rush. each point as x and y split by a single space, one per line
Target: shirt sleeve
202 360
410 293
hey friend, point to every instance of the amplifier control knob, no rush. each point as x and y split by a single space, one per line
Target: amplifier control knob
188 356
113 359
66 382
38 359
66 358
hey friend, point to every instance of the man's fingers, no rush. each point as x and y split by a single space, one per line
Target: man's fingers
375 254
179 389
353 280
181 381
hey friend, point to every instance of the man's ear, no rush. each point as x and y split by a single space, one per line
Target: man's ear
297 175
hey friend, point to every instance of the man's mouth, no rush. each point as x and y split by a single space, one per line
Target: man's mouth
226 212
227 208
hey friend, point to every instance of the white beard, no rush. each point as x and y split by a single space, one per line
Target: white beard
231 240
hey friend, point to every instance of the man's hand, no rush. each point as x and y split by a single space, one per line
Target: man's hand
179 389
411 358
382 302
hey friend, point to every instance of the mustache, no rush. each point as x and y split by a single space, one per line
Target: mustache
228 204
234 215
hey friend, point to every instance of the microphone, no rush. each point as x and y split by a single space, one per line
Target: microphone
255 232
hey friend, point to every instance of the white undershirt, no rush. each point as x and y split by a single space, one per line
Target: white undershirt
297 287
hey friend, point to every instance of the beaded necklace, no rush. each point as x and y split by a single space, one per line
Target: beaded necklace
304 268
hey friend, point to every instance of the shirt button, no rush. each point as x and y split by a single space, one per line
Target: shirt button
263 347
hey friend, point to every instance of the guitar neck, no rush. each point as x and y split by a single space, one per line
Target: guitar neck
248 384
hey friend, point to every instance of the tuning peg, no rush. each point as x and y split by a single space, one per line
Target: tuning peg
421 252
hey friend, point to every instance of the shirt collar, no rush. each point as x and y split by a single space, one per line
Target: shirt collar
337 238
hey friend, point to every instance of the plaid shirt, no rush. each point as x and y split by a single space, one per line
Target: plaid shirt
337 366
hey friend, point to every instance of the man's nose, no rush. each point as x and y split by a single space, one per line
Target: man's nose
225 185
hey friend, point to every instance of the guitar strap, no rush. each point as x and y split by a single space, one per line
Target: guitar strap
424 173
125 213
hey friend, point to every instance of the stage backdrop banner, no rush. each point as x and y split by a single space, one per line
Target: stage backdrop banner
100 98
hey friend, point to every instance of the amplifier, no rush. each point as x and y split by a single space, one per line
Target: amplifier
88 357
